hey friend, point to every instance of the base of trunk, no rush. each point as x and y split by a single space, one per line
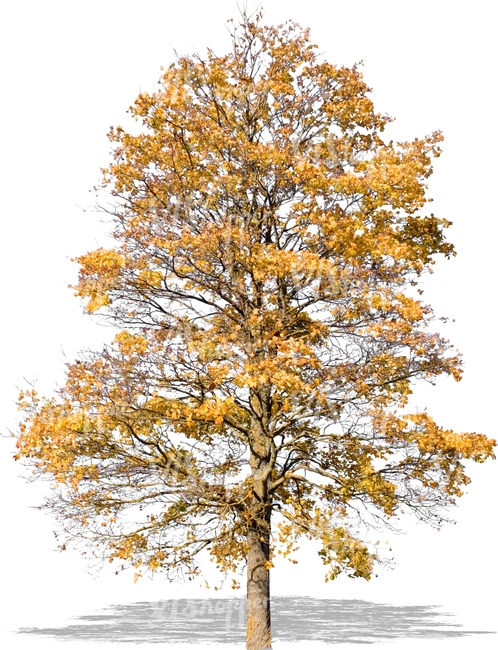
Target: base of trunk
258 619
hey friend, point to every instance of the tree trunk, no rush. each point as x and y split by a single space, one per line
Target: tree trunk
261 460
258 621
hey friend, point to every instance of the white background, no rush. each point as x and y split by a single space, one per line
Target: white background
69 71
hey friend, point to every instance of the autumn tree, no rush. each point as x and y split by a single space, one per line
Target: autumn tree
268 248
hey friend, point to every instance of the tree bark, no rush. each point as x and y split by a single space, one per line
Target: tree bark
258 618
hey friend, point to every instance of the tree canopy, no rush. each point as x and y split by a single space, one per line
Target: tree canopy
268 248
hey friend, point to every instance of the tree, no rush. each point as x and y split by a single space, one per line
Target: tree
268 249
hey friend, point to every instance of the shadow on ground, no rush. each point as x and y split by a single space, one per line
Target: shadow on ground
293 619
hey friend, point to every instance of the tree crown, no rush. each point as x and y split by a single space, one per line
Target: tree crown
268 243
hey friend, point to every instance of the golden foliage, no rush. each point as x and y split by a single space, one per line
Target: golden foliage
267 246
